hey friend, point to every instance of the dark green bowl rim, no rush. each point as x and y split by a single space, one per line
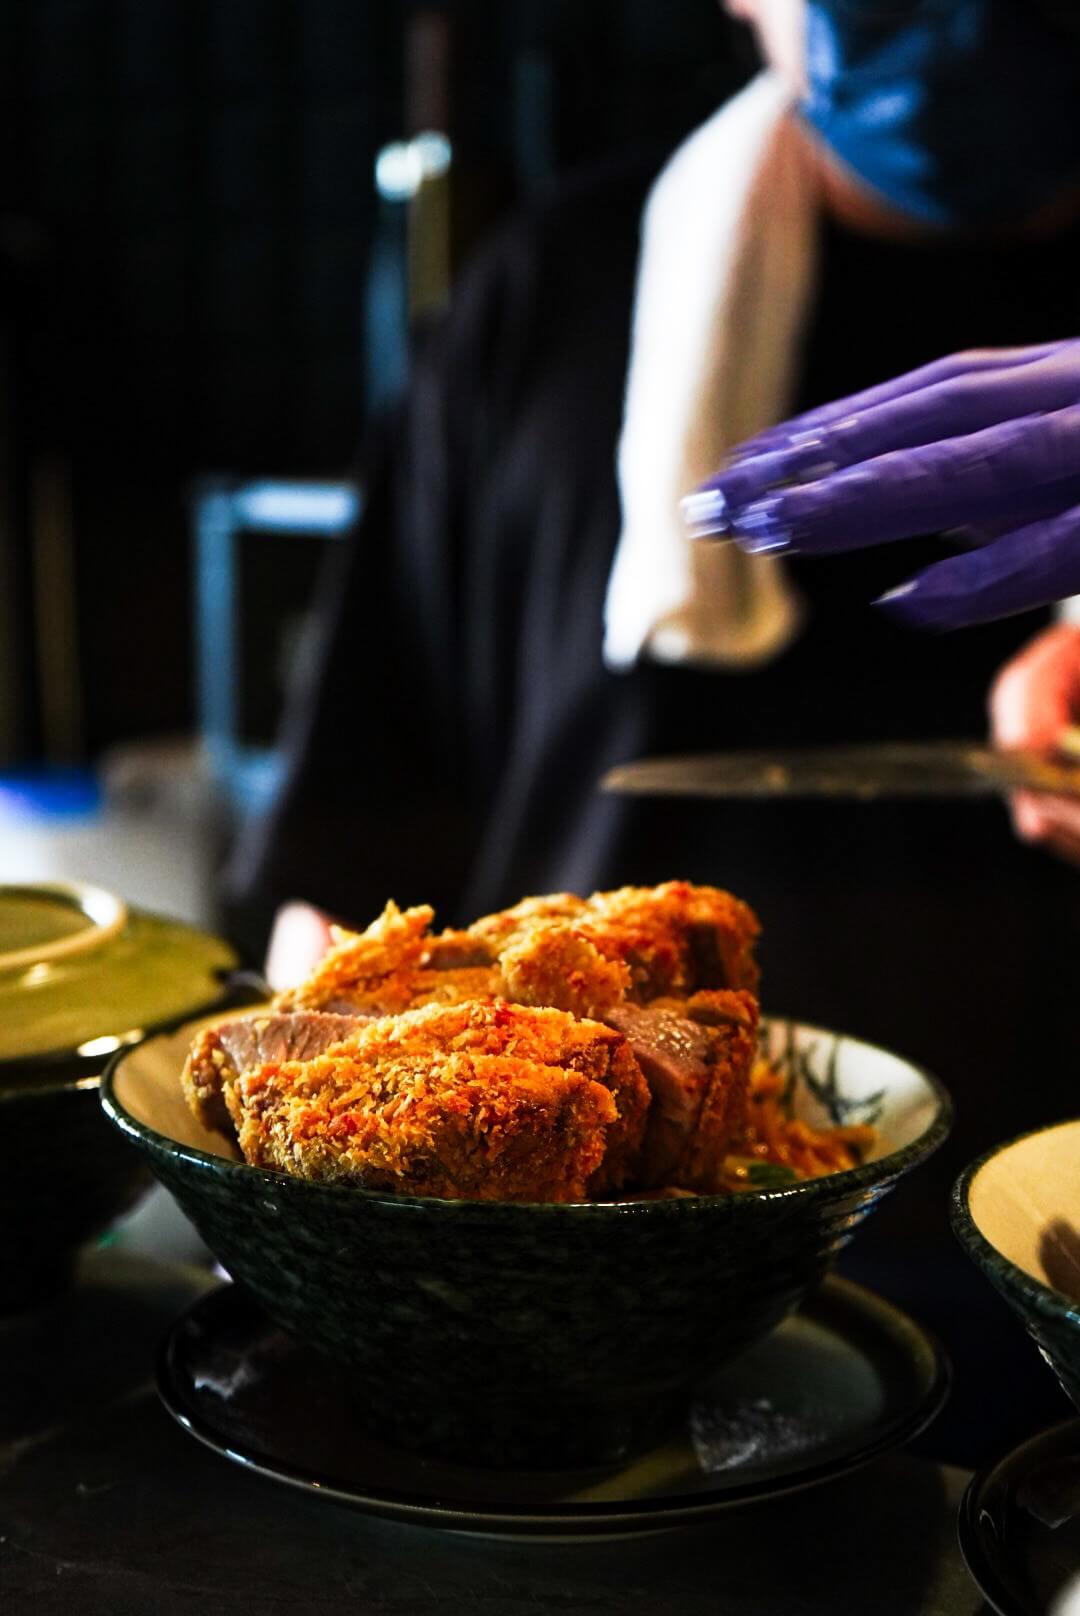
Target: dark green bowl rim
882 1170
1035 1294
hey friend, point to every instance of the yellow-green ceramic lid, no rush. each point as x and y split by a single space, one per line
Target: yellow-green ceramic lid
81 974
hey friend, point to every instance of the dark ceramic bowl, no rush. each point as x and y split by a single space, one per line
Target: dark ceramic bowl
65 1178
1016 1212
532 1335
67 1003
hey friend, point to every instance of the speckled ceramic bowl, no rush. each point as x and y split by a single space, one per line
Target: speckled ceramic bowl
80 976
533 1335
1016 1212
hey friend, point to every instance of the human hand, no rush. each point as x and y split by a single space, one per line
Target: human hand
299 938
987 440
1035 697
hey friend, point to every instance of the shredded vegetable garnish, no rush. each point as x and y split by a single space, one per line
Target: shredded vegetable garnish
778 1148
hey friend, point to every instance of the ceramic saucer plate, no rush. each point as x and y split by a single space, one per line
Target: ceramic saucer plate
846 1378
1019 1526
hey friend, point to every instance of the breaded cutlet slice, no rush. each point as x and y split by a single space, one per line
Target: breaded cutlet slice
385 970
732 1020
555 962
220 1053
676 938
636 943
473 1101
372 970
543 961
696 1055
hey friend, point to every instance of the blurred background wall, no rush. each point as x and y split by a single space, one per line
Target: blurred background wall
199 278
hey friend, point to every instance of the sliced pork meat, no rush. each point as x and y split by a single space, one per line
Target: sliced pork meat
219 1054
485 1101
656 978
695 1056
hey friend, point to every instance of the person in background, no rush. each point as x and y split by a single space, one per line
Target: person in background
520 607
1034 699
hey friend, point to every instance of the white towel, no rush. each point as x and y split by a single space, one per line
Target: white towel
725 280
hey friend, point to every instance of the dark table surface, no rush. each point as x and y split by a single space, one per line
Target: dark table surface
107 1506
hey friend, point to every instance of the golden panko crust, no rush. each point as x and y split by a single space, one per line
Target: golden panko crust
372 969
732 1021
477 1101
478 1060
554 963
671 939
203 1080
675 938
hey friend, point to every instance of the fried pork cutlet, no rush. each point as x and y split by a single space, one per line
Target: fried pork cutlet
668 967
219 1054
696 1055
373 970
554 963
676 938
389 968
671 939
485 1101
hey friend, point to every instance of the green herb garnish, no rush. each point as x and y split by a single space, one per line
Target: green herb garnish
762 1175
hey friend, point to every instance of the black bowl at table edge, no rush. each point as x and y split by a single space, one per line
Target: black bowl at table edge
1050 1317
67 1175
534 1335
